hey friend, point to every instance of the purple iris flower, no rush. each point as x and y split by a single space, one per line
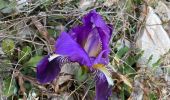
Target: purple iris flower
87 44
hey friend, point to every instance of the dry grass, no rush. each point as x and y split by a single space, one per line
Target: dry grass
38 24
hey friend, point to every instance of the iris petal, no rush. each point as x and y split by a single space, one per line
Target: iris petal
66 46
100 59
97 21
87 18
93 21
48 70
93 44
105 41
104 29
103 90
80 34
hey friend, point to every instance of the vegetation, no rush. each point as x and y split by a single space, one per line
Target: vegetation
29 28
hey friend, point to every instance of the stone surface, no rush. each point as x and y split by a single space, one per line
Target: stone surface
154 40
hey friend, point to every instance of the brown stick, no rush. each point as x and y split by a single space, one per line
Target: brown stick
43 31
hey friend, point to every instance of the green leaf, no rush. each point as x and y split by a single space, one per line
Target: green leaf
122 52
9 87
122 92
150 58
7 6
3 4
8 46
133 59
33 61
129 5
53 33
157 63
81 74
28 71
125 91
25 54
46 3
153 96
127 68
138 2
5 66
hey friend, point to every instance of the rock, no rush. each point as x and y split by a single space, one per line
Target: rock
109 3
163 11
84 4
154 40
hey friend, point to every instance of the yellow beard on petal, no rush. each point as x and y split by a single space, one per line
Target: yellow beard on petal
105 72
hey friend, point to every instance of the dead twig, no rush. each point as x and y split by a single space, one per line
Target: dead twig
43 31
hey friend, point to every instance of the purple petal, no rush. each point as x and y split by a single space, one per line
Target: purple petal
80 34
103 90
100 59
87 18
104 29
105 38
47 71
97 21
93 44
91 22
66 46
